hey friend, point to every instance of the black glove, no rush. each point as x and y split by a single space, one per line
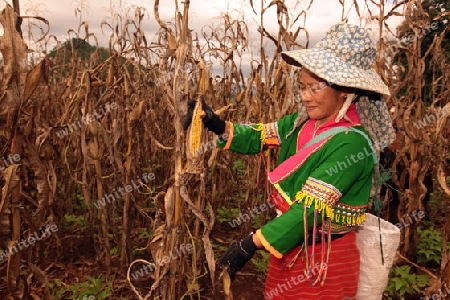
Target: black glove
237 255
211 120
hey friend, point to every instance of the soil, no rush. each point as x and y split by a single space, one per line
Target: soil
77 260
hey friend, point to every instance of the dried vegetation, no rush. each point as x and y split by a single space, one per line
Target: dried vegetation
85 128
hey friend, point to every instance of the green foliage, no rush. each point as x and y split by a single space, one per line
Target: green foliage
80 48
402 283
78 201
153 168
224 214
72 221
436 202
91 288
66 55
241 195
56 289
381 178
426 36
256 221
218 248
114 250
430 245
261 261
145 234
239 167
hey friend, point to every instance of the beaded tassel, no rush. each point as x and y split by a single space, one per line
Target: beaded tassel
322 252
321 275
313 248
325 266
305 222
292 262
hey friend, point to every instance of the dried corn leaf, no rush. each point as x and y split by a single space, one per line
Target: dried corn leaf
137 112
11 180
126 86
110 76
204 78
226 280
442 179
93 149
32 80
169 206
443 120
172 42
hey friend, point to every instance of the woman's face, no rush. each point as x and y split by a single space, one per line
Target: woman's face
322 101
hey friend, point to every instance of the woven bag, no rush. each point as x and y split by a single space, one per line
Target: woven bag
373 277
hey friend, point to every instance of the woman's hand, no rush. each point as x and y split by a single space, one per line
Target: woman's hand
211 120
237 255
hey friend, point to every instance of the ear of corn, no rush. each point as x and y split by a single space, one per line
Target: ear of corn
195 131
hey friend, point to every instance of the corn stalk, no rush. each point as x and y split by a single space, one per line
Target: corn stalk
151 84
13 49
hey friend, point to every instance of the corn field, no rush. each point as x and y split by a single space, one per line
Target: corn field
106 196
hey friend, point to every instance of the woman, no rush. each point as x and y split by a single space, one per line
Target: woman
322 183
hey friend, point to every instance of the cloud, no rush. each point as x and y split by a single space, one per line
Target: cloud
65 15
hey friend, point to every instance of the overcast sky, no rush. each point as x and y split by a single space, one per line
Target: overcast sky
64 15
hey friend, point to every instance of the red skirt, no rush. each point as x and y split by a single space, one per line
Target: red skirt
291 283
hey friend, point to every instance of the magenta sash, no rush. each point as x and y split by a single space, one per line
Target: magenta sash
293 163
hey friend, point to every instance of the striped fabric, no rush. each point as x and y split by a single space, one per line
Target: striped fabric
341 282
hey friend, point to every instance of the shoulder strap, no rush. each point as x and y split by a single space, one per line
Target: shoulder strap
325 134
339 129
369 141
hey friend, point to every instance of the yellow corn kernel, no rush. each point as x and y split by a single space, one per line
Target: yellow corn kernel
196 129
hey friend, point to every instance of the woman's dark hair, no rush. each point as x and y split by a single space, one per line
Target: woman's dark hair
360 93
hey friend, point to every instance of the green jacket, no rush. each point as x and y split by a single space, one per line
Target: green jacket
335 179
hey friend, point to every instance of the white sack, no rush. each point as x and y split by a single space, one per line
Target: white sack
373 277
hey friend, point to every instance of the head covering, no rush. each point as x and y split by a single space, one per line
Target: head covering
345 57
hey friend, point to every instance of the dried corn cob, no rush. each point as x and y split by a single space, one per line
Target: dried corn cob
195 131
